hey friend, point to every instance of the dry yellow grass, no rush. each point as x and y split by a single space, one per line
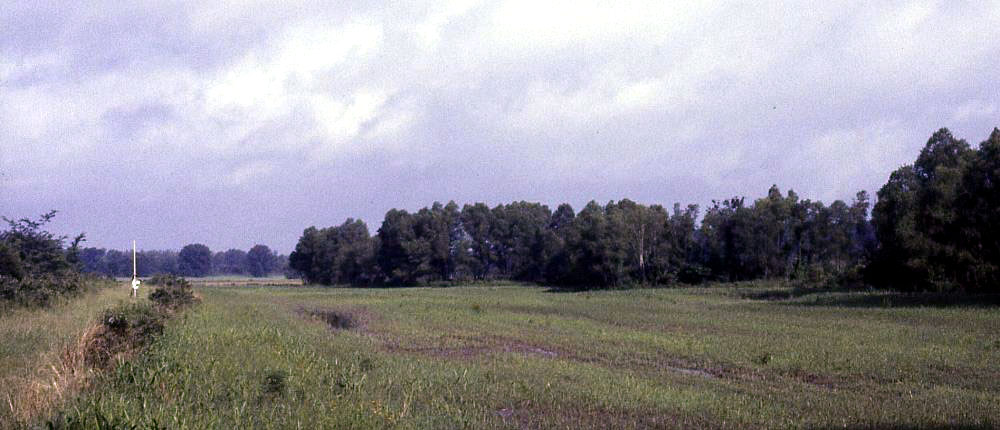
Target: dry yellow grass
41 355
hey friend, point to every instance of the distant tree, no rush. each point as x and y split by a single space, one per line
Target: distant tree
157 262
597 249
92 260
517 230
118 263
260 261
477 221
336 255
281 265
403 256
686 254
230 262
433 226
560 229
194 260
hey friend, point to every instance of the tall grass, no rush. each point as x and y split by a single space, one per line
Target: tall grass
41 353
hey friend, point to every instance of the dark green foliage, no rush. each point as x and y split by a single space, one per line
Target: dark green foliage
403 256
194 260
619 244
260 261
335 255
39 251
35 269
978 219
10 263
232 261
171 292
936 220
275 383
42 290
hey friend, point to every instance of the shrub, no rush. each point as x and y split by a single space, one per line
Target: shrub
42 290
172 292
124 329
10 262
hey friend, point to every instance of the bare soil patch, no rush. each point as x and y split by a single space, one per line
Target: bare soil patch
337 318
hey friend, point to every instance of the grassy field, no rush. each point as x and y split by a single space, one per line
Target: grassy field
474 357
37 366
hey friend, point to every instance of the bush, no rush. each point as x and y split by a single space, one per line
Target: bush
42 290
10 262
124 329
172 292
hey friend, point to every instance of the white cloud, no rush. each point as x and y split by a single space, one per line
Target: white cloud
975 109
828 98
531 25
246 173
429 30
342 121
836 163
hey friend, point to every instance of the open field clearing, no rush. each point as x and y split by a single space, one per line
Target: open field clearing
478 357
242 281
37 363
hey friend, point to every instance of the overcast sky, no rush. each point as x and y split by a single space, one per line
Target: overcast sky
235 123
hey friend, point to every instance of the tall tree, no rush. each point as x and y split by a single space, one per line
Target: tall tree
194 260
403 256
259 261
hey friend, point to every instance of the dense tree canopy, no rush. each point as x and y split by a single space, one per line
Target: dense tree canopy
231 261
260 261
937 220
194 260
619 243
335 255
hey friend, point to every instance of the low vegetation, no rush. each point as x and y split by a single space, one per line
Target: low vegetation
749 355
41 354
171 292
50 355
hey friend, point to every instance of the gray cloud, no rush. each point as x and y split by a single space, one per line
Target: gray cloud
232 125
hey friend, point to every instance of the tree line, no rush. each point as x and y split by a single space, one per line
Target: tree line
934 227
193 260
615 244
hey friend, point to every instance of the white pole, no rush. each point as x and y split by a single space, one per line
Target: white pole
135 274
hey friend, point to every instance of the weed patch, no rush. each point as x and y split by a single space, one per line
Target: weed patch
275 383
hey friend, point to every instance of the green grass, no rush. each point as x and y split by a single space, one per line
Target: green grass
33 348
477 357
